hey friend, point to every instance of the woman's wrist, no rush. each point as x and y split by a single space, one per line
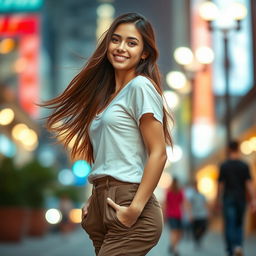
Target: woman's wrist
136 209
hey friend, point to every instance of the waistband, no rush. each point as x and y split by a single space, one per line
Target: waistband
108 181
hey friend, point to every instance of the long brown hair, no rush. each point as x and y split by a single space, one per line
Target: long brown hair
91 88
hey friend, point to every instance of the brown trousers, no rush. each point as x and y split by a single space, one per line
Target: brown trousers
109 236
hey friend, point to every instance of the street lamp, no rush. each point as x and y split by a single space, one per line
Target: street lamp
191 63
211 13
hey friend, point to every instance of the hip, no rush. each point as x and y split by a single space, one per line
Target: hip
122 193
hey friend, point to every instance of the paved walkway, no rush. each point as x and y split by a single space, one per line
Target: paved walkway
77 243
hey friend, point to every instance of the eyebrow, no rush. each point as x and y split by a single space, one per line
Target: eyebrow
129 37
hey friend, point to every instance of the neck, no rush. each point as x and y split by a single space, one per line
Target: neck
122 78
234 155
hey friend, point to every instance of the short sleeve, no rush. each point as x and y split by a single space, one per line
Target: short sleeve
143 99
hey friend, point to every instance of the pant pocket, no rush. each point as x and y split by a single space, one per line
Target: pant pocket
122 199
86 220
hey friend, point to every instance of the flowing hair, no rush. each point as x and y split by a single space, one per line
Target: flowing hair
91 89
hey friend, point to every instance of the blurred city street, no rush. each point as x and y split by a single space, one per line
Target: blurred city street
51 93
77 243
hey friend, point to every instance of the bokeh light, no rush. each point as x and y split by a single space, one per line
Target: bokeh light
202 138
206 185
106 11
174 154
206 181
246 147
204 55
7 147
176 80
171 99
6 116
183 55
66 177
75 215
238 11
208 11
6 45
46 156
81 168
17 131
53 216
20 65
27 137
253 143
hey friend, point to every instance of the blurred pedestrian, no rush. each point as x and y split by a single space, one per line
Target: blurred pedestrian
188 191
65 207
234 179
173 213
198 215
113 109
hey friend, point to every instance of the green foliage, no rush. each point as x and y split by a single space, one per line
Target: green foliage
11 184
37 179
71 192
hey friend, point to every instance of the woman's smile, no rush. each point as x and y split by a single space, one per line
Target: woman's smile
120 58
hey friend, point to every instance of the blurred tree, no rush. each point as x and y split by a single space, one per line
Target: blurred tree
11 184
75 194
13 215
37 179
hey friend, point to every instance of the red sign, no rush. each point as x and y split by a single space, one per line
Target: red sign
26 29
18 24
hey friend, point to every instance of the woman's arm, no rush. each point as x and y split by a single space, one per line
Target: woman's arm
153 137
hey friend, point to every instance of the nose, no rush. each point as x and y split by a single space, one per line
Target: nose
121 47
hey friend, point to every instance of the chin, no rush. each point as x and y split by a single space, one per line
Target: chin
120 66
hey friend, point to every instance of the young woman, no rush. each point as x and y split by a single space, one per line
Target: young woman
113 109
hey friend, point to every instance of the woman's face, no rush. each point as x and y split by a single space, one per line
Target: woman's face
125 49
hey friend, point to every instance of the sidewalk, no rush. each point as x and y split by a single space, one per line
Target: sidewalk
77 243
212 245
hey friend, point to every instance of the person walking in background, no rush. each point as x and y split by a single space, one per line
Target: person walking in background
173 212
65 207
198 211
188 191
114 111
233 181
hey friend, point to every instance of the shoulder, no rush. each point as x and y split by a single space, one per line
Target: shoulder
142 83
243 163
225 164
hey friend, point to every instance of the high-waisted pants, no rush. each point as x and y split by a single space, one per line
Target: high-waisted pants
111 237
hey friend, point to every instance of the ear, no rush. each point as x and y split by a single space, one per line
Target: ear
144 55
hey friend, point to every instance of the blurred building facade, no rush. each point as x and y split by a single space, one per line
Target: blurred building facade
242 96
49 43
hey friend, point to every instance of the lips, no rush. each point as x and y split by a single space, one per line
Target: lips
120 58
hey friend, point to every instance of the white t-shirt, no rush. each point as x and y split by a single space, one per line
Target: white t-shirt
118 146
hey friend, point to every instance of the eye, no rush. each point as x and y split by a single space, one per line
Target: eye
132 43
114 40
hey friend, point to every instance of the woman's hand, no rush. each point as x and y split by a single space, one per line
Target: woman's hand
126 215
85 208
